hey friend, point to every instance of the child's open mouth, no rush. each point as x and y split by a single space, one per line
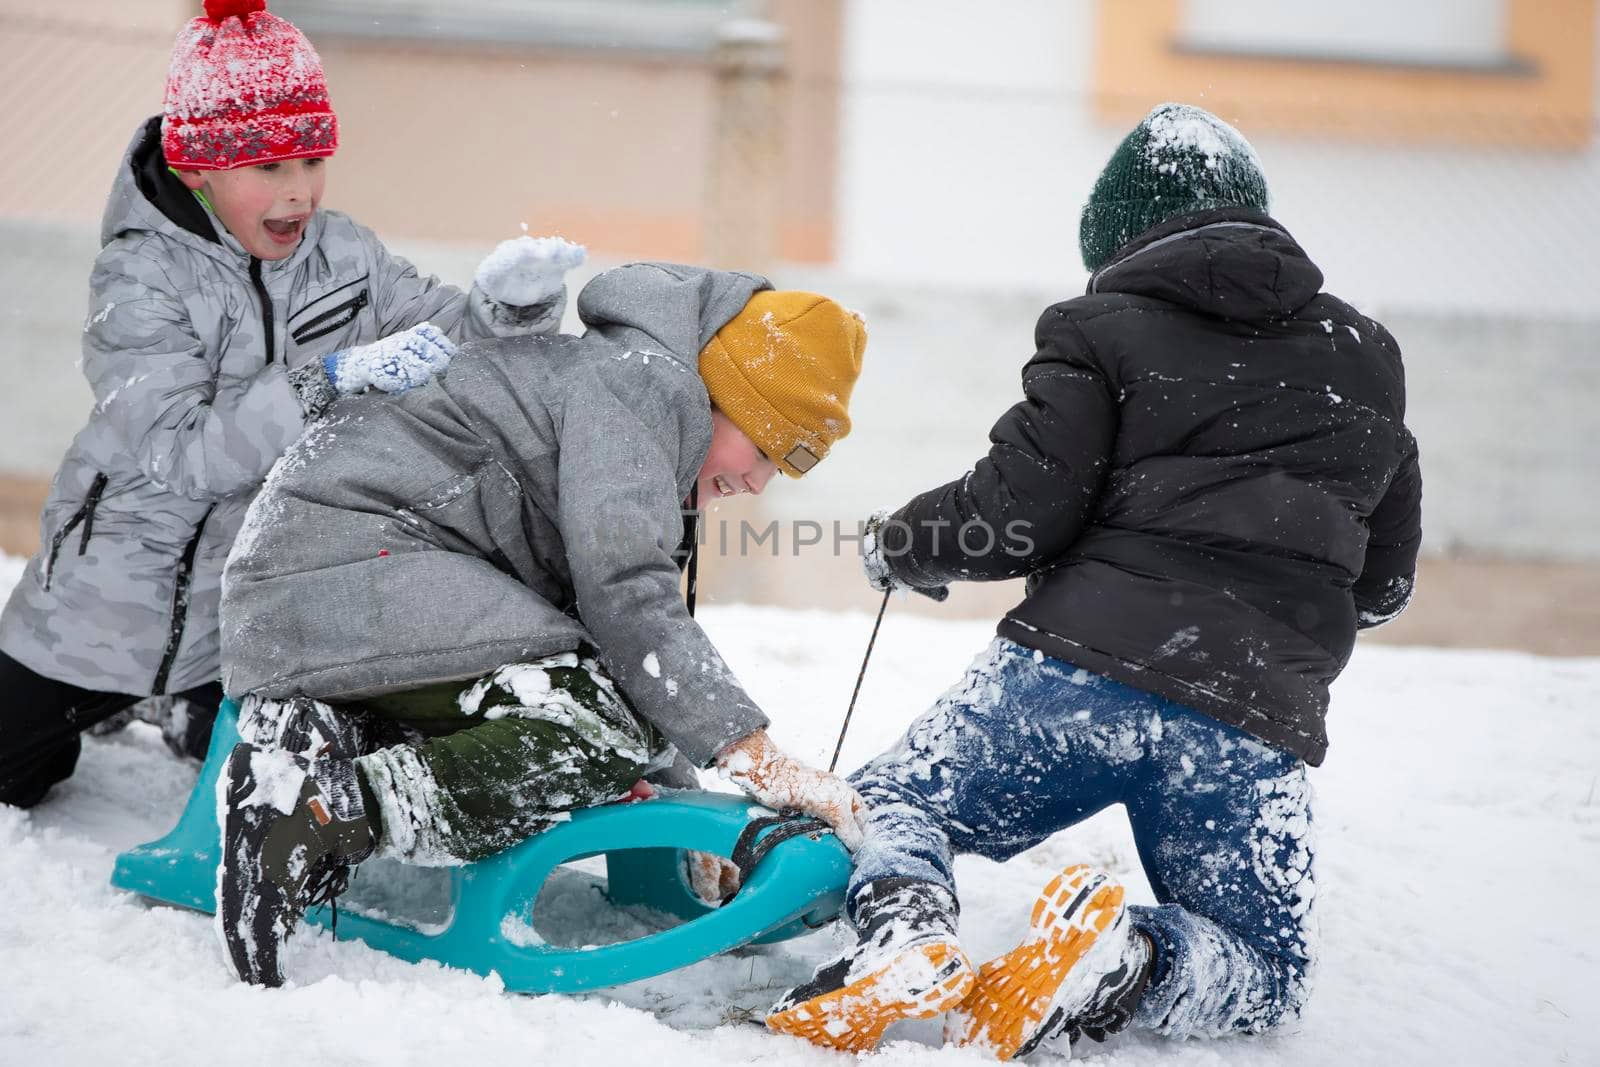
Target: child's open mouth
723 488
284 231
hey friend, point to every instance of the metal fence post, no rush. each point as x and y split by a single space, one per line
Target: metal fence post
746 158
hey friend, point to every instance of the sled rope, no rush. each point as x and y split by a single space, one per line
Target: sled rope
859 678
753 845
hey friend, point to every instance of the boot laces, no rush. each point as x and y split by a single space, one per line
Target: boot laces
327 882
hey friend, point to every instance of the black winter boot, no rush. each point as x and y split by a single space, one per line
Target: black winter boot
906 964
186 727
291 829
1080 972
307 727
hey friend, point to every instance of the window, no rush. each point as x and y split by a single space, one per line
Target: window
1418 33
1470 72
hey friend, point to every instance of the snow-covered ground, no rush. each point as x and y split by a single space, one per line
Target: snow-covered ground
1459 857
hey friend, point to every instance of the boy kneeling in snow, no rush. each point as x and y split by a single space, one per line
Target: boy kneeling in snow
1215 489
454 616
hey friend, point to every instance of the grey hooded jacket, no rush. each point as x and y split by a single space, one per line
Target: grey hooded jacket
527 501
188 347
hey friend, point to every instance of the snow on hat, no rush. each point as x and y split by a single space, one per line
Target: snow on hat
1179 159
245 87
782 370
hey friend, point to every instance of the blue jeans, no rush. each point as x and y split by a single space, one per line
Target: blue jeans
1026 745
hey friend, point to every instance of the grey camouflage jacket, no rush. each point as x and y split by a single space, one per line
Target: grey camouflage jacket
527 501
188 347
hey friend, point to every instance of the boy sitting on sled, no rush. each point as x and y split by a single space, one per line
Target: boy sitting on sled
1217 489
454 616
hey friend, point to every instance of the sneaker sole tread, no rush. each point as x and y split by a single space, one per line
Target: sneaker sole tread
1015 992
854 1017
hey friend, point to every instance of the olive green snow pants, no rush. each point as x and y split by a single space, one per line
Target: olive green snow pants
491 763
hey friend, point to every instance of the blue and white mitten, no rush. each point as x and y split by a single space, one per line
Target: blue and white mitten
399 362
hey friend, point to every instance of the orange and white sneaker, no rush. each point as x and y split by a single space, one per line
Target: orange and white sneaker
1080 970
906 964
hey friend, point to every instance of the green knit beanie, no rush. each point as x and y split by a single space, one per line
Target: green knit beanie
1178 160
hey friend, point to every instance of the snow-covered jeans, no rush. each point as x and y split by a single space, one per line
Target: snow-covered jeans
1026 745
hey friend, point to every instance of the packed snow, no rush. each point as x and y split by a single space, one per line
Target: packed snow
1458 853
1180 128
528 270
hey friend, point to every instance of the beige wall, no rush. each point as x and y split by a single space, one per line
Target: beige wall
78 78
441 140
455 145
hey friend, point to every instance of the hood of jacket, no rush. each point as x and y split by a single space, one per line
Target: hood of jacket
1230 263
666 307
147 197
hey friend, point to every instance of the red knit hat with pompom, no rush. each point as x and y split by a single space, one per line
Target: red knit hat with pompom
245 87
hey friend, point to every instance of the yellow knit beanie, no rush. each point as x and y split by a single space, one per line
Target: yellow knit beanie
782 370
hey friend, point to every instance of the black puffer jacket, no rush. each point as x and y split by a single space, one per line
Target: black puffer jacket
1209 482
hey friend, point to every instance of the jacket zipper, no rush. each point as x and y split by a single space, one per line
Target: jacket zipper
266 307
85 515
180 605
689 548
309 331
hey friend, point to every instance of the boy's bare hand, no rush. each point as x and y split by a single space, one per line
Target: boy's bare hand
757 766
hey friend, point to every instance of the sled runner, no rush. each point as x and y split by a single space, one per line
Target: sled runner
794 873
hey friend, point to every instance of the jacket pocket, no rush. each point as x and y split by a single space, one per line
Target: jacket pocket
335 318
84 516
478 513
180 604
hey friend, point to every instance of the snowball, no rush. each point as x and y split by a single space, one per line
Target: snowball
527 270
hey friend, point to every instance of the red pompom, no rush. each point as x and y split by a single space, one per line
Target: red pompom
217 10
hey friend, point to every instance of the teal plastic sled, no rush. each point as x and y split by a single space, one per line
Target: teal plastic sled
482 917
